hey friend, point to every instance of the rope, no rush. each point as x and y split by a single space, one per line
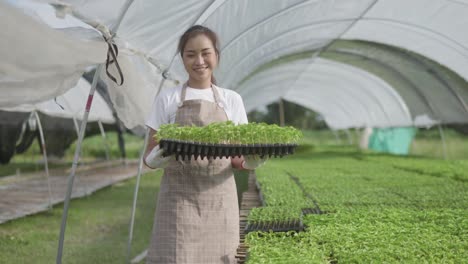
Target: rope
113 52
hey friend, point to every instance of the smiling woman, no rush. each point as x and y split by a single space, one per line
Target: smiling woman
197 217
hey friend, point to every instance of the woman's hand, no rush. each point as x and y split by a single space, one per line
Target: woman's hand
252 162
156 160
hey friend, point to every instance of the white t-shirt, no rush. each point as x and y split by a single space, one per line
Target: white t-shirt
166 103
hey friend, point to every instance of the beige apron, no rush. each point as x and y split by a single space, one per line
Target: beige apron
197 216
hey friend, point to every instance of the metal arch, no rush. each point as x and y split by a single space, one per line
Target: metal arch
440 78
259 23
395 95
405 109
391 92
395 71
345 20
209 11
414 87
412 25
318 52
241 88
281 35
239 63
338 104
276 51
122 14
350 92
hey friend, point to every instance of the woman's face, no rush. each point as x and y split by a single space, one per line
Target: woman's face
200 59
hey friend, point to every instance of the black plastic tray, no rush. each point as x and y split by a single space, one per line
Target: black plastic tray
186 149
277 226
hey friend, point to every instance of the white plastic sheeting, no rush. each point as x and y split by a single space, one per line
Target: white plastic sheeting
253 33
39 63
73 105
430 28
430 89
346 96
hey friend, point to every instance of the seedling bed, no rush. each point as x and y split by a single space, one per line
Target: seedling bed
276 226
185 150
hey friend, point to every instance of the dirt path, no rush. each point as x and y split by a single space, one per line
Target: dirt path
29 193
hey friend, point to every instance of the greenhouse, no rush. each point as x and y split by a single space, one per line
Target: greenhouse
355 151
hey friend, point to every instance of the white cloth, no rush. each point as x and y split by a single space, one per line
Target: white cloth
165 105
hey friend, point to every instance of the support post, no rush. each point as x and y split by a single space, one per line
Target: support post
104 139
76 158
350 138
135 197
281 112
442 138
44 154
337 137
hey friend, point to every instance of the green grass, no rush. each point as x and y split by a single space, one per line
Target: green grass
94 147
427 142
97 228
92 150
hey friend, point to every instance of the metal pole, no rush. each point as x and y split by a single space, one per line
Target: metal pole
337 137
135 197
77 127
44 153
80 139
442 137
76 158
281 112
350 139
104 139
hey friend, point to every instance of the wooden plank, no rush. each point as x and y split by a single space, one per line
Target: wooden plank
250 199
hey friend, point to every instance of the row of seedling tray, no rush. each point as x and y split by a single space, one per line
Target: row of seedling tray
186 149
295 224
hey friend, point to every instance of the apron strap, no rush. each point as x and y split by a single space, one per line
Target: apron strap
182 96
215 95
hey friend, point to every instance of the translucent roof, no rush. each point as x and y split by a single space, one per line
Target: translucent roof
345 95
70 105
389 90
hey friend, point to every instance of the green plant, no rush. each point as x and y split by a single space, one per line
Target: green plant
380 209
229 133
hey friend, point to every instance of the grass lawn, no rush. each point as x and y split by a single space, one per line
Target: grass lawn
97 227
92 150
426 143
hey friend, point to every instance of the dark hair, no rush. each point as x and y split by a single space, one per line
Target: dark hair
195 31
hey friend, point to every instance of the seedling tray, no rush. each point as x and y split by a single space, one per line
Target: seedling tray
276 226
307 211
186 149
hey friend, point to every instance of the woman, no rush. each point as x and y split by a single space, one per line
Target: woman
197 216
